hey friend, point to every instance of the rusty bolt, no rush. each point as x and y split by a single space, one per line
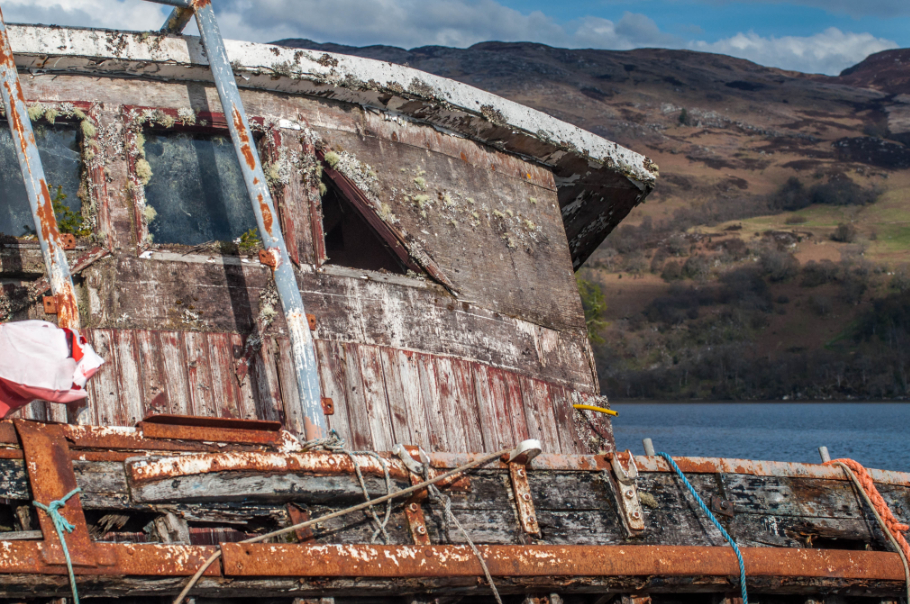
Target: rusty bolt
520 472
421 530
413 507
532 519
636 514
630 494
724 505
526 496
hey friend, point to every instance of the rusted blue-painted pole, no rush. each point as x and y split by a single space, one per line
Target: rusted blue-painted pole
302 346
39 196
177 20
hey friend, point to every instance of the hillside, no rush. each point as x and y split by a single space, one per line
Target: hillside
777 235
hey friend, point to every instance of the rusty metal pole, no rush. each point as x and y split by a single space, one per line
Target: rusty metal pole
39 197
177 20
302 345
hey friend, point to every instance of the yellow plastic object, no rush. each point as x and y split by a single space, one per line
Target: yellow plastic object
598 409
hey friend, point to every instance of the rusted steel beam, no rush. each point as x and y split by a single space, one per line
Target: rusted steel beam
302 560
720 465
51 476
177 20
315 462
39 196
303 349
129 559
211 429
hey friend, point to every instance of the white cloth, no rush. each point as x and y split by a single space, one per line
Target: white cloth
39 360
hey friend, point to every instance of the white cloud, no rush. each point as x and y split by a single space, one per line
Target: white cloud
829 52
111 14
460 23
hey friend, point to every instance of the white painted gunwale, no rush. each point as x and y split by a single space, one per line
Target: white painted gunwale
357 80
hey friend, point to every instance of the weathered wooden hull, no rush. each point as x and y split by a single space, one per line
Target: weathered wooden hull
156 499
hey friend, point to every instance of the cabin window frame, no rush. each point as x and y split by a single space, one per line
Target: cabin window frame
140 119
418 262
91 170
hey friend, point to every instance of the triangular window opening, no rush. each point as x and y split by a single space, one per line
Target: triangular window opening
349 239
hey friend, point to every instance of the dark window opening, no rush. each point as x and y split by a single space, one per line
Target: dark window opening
349 239
58 147
196 191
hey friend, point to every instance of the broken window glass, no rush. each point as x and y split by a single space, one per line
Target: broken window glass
196 189
58 148
349 239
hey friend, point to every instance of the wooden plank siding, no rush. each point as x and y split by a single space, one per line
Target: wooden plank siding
382 395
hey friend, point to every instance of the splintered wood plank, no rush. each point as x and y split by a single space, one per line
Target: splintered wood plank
494 420
539 413
129 377
402 389
266 384
246 400
105 391
374 395
171 350
224 380
569 439
432 407
361 437
153 384
199 374
330 358
290 397
514 406
458 402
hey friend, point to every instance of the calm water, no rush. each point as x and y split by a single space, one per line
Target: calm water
875 434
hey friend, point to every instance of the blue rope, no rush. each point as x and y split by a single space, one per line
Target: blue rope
701 504
62 526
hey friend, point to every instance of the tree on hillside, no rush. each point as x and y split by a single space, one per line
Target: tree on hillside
594 305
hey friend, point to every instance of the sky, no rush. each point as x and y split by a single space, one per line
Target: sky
813 36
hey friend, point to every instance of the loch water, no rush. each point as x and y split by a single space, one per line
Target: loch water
875 434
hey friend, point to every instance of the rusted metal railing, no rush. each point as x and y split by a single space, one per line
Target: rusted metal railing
39 196
276 256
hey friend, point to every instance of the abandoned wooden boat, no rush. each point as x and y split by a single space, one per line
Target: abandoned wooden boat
431 231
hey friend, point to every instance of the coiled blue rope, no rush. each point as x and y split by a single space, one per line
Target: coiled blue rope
701 504
62 526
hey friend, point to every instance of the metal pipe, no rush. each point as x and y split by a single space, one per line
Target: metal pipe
823 453
302 346
649 447
177 20
39 196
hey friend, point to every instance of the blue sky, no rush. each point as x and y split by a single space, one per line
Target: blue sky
818 36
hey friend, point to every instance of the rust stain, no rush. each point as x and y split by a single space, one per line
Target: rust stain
464 157
244 140
255 181
267 219
197 4
46 215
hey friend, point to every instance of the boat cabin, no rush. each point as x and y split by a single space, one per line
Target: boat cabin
433 230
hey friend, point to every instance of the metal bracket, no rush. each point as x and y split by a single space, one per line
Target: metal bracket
50 305
417 522
299 516
311 320
328 406
626 472
519 458
51 476
722 506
